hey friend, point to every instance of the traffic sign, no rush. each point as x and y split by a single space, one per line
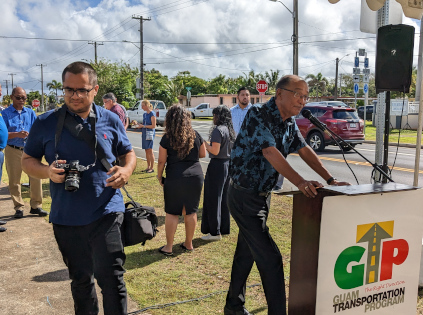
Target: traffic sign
356 62
366 62
35 103
356 78
261 86
366 78
188 88
366 71
189 95
355 88
356 70
366 88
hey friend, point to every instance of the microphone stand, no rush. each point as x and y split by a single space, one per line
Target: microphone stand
332 134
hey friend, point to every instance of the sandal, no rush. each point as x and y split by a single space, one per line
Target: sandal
145 171
161 251
150 171
185 248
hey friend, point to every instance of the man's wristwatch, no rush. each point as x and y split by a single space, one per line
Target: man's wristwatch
330 180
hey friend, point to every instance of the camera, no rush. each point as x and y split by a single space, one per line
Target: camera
73 174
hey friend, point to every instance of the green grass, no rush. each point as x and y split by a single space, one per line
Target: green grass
406 136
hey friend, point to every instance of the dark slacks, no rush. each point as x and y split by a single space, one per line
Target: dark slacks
255 244
216 218
95 251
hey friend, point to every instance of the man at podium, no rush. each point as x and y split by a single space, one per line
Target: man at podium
268 134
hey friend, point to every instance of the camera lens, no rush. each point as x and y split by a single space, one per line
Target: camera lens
72 181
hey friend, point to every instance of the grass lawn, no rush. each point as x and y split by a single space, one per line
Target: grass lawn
153 279
406 136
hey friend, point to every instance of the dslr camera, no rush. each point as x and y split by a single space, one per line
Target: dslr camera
73 172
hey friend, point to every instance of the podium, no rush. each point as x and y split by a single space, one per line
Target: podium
356 249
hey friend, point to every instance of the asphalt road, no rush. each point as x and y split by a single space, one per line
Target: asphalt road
332 159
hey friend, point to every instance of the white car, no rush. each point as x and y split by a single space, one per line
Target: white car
159 107
328 103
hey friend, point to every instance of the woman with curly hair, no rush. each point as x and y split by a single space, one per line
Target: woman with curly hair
180 149
216 217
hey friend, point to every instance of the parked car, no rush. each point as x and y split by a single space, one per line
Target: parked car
201 110
328 103
136 112
343 121
369 112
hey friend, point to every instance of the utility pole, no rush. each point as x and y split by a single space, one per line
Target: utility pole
336 79
42 87
141 55
95 49
7 86
295 36
12 74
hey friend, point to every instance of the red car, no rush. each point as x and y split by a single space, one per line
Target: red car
343 121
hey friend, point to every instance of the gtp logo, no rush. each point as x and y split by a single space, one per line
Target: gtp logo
381 256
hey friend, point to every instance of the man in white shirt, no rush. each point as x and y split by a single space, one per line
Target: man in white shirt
240 110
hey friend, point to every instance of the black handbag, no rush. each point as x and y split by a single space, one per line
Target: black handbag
139 223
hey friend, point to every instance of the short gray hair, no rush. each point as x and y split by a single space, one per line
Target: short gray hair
109 96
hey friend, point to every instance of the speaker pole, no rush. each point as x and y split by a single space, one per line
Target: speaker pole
386 135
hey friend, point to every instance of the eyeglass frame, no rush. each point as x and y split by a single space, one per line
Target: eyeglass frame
77 91
305 98
20 98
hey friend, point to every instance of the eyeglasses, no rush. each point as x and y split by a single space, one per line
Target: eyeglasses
306 98
20 98
79 92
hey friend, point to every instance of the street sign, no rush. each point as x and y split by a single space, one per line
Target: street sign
35 103
356 78
356 62
366 71
366 88
366 62
356 70
261 86
355 88
188 95
366 78
188 88
361 52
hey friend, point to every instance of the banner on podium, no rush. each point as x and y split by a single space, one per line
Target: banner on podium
369 254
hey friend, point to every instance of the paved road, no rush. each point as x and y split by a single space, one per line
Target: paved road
331 157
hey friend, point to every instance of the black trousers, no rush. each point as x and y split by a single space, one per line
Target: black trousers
216 218
255 244
95 251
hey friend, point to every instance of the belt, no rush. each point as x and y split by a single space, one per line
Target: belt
15 147
240 188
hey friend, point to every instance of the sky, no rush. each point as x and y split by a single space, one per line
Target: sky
205 37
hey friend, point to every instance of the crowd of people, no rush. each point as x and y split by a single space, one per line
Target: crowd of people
247 145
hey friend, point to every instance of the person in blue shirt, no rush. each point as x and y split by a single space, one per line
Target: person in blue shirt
3 142
86 222
267 136
19 120
239 111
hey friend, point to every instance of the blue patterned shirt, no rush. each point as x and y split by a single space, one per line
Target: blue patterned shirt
263 127
238 115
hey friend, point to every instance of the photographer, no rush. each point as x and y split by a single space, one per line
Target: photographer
86 221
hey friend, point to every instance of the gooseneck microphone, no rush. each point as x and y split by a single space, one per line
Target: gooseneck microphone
307 114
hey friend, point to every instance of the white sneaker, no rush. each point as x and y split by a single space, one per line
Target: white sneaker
210 237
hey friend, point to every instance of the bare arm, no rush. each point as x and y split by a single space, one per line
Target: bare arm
120 174
33 167
21 134
214 148
202 152
161 163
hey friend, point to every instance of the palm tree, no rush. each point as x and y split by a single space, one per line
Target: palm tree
54 85
272 79
175 88
317 84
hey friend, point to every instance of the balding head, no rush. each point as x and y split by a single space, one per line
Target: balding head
291 95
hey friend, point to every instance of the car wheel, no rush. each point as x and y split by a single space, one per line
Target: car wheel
192 116
347 148
316 141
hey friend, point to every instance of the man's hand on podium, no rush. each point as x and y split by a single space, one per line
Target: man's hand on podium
336 183
309 187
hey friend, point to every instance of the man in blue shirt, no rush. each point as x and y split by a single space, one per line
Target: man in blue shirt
19 120
3 142
267 136
239 111
86 222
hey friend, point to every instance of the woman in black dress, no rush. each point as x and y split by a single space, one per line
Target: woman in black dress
180 149
216 217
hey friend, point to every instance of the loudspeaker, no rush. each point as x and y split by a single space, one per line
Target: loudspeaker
394 58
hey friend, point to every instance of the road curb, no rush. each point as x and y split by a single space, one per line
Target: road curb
394 144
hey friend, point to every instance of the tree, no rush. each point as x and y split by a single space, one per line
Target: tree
32 96
317 84
198 85
272 79
175 88
217 85
155 87
55 85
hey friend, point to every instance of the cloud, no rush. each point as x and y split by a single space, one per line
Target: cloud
205 37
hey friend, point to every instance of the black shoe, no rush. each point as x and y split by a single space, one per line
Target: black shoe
228 311
38 211
2 229
18 214
2 222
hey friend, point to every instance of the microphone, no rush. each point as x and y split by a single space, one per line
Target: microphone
307 114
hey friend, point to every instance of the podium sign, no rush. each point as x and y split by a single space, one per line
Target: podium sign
369 254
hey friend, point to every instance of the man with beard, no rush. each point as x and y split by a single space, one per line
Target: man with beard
239 111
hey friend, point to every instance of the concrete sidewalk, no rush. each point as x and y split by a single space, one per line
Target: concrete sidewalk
33 277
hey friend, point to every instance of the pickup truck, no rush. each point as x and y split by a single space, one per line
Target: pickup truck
201 110
136 112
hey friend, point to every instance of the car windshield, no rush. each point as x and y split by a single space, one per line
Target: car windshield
345 114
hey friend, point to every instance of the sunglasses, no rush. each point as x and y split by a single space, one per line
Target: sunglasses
20 98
